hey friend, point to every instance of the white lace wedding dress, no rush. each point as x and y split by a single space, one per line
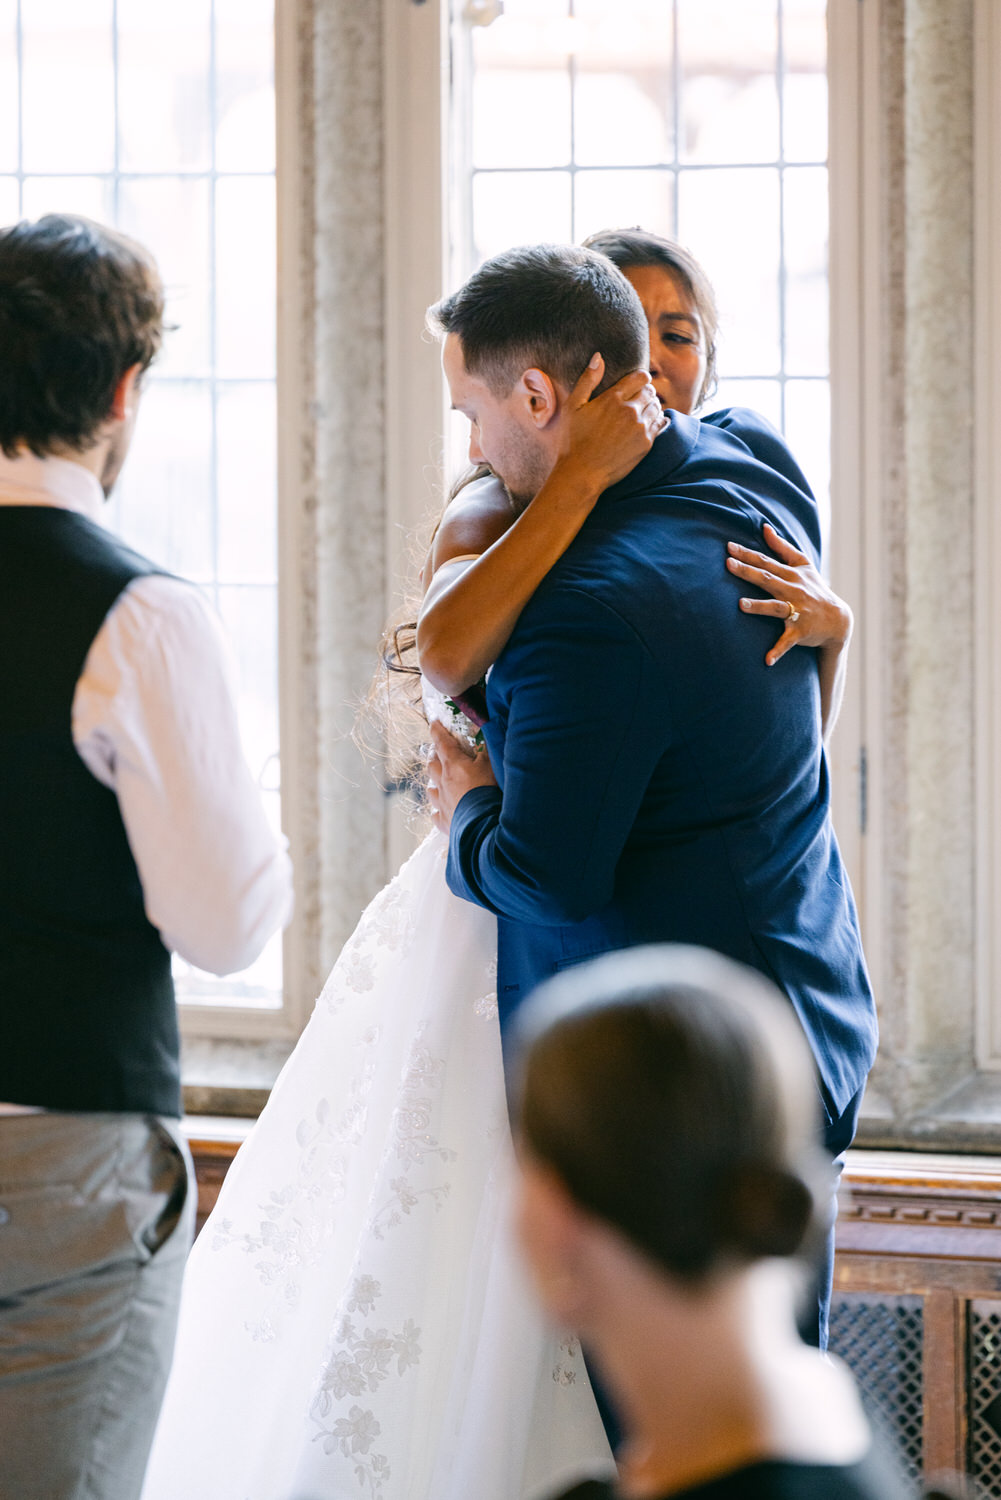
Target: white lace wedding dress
355 1322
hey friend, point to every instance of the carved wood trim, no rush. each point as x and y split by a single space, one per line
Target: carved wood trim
948 1208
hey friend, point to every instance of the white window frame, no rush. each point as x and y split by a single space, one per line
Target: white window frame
856 451
987 525
225 1022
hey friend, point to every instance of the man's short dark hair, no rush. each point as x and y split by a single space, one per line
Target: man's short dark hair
546 307
79 306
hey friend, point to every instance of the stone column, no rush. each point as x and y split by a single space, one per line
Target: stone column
927 546
339 558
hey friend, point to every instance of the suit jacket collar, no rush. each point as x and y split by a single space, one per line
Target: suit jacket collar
670 451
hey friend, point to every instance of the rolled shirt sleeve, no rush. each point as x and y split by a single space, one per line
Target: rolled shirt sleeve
154 720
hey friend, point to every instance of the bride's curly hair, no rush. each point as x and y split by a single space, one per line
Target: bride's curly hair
391 725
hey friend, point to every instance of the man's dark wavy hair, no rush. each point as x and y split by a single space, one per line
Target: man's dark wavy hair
546 307
79 305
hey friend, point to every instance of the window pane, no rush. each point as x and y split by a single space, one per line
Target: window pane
245 424
245 88
623 102
808 430
730 221
171 214
539 30
257 988
250 616
69 86
613 200
518 208
534 19
245 276
193 84
805 118
92 196
164 122
8 86
619 120
728 52
521 118
163 502
804 45
8 200
806 326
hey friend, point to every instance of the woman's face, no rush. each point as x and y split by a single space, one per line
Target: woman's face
677 338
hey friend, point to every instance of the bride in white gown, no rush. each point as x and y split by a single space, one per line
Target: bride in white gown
355 1322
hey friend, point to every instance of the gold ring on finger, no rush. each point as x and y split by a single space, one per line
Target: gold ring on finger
793 614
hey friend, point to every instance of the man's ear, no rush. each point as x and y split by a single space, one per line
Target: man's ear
126 393
541 397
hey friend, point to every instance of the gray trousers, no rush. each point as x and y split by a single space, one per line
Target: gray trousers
96 1216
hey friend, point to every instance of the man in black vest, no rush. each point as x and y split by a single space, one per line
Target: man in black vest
129 826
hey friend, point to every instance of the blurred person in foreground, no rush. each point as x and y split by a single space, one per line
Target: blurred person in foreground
131 827
672 1172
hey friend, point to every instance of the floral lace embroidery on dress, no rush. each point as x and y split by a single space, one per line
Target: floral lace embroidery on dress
361 1363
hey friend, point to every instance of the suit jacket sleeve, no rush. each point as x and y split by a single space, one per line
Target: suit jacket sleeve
587 723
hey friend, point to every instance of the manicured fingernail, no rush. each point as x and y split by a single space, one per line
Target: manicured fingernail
594 361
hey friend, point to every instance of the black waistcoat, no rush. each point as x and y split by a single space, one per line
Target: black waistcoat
87 1014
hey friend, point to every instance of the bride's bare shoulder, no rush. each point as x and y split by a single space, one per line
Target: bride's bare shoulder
475 517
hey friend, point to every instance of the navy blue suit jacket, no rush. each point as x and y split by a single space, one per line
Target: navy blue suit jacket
659 783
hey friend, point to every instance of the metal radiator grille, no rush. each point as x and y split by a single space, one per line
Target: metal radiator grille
880 1338
984 1386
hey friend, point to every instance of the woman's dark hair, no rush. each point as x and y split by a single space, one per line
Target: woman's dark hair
79 306
549 307
671 1091
627 248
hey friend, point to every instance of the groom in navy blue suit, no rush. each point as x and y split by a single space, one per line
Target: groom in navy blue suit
654 780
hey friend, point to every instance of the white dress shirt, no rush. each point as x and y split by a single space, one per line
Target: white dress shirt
154 720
